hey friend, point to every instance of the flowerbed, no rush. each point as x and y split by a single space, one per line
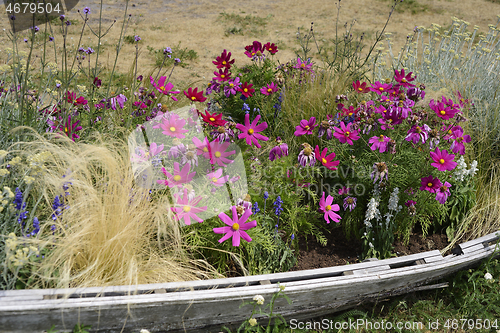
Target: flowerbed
264 154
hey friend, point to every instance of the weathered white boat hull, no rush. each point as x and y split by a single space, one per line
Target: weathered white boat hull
206 305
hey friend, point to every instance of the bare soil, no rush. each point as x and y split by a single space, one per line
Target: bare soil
342 251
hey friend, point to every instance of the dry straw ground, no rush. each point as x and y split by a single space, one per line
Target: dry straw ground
199 25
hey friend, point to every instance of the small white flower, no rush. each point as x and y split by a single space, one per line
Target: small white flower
488 276
144 331
252 321
259 299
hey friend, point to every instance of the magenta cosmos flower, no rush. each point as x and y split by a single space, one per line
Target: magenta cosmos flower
442 160
327 161
246 89
444 112
458 145
202 147
379 142
68 127
216 178
305 127
179 177
417 133
236 226
303 65
380 88
165 89
270 89
218 154
443 193
224 60
402 79
345 133
278 151
186 209
325 206
173 126
249 132
360 88
430 184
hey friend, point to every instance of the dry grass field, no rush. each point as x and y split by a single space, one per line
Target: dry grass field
208 27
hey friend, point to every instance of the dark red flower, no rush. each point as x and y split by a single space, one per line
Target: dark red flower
254 50
213 119
222 76
97 82
246 89
271 47
194 95
224 61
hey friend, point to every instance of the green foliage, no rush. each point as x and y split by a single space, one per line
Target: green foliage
412 7
79 328
244 25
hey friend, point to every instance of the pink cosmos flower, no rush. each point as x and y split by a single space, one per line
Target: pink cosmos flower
202 148
346 134
403 80
443 192
217 152
360 88
430 184
179 177
327 161
302 65
417 133
344 190
173 126
325 206
442 111
458 145
270 89
236 226
142 155
185 208
216 178
249 132
305 127
232 86
442 160
165 89
379 142
379 88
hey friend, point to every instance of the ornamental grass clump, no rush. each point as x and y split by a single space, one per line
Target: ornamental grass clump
109 231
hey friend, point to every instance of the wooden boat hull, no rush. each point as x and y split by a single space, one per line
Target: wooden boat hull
206 305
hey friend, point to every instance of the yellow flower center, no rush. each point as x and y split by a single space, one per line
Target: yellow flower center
429 184
245 90
307 127
212 119
193 98
162 88
360 89
224 62
381 88
418 129
66 129
443 112
235 226
214 179
444 188
218 154
324 161
205 149
441 161
222 76
403 80
172 129
186 209
347 133
302 65
250 131
231 85
327 208
381 138
177 178
269 90
449 131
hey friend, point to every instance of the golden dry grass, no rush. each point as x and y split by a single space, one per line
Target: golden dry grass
112 233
